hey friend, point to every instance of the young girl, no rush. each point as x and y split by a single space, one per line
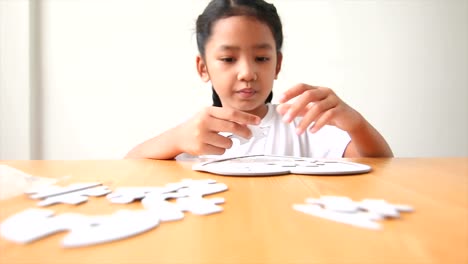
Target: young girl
240 53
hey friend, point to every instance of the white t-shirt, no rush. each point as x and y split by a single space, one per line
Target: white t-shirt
275 137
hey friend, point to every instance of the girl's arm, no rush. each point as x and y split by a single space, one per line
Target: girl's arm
366 141
163 146
320 106
197 136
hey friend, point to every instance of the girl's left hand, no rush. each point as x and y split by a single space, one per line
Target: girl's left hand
317 105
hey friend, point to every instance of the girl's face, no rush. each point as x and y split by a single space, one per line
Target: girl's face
241 62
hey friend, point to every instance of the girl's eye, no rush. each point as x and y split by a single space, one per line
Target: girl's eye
262 59
227 59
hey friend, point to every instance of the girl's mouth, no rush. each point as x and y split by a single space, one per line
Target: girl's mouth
246 93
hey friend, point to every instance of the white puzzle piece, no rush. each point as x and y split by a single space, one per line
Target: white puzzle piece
171 190
34 224
167 211
124 195
383 208
52 190
75 197
120 225
15 182
268 165
200 206
189 198
356 219
73 194
336 203
83 230
344 210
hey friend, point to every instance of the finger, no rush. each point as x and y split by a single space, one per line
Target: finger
234 115
294 91
208 149
303 102
218 141
315 111
322 120
283 108
220 125
210 143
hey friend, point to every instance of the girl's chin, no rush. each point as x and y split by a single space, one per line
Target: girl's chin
258 109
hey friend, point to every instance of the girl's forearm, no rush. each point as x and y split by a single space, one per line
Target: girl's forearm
163 146
368 142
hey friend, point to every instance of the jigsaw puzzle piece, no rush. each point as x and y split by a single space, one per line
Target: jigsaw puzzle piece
124 195
53 190
75 197
189 196
200 206
33 224
200 189
384 208
167 211
336 203
122 224
359 219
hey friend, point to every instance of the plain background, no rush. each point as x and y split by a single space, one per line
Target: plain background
90 79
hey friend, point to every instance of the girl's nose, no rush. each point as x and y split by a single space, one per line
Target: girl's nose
247 72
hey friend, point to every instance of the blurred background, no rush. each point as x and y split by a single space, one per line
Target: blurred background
90 79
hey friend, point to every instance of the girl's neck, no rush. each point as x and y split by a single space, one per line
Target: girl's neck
261 111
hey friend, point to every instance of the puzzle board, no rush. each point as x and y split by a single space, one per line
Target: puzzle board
268 165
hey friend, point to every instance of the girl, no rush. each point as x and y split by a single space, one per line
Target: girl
239 42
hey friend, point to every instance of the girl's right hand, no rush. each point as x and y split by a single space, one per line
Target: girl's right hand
200 135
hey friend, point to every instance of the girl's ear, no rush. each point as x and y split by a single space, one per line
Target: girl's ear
279 60
202 69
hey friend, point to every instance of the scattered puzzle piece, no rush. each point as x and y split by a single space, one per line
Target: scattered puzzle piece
344 210
72 194
89 230
14 182
83 230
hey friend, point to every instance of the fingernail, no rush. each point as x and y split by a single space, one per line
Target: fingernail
281 98
287 117
313 128
298 131
257 120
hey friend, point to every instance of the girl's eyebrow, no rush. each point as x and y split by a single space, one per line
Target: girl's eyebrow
263 46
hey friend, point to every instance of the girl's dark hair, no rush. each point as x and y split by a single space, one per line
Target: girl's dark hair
219 9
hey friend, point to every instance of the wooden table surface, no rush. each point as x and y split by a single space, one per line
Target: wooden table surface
258 224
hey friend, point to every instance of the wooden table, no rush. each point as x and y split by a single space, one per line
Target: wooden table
258 224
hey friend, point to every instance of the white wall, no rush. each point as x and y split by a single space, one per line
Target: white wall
116 72
15 127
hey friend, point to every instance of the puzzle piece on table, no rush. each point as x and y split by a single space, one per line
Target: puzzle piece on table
43 192
84 230
14 182
384 208
72 194
336 203
125 195
200 206
344 210
170 211
186 187
33 224
189 197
